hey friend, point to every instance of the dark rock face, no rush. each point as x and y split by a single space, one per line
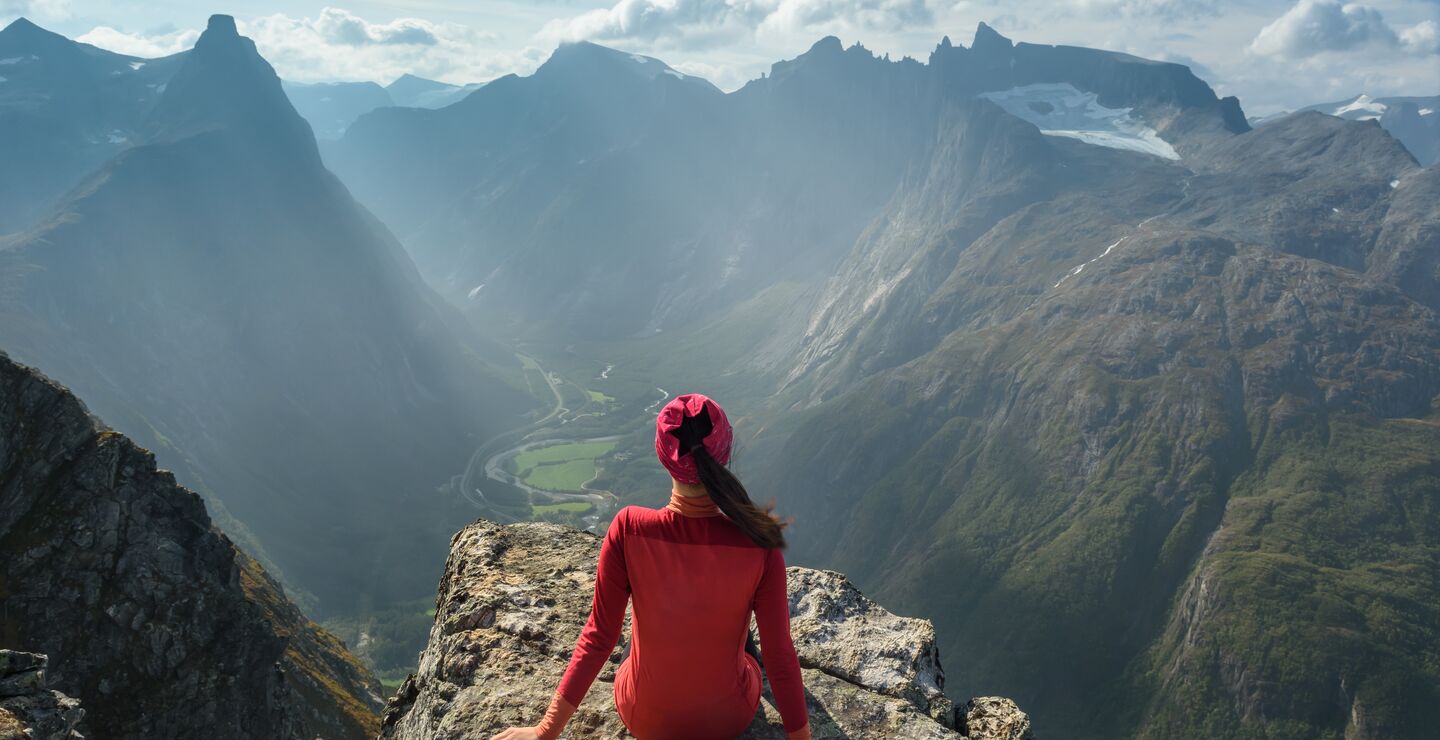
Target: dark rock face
148 614
514 598
29 710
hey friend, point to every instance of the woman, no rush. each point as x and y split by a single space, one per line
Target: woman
696 569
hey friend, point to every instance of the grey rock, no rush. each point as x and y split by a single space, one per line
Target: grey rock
996 717
29 710
512 602
161 626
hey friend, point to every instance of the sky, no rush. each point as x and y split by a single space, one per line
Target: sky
1274 54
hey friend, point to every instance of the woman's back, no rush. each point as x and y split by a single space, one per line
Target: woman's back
694 578
695 570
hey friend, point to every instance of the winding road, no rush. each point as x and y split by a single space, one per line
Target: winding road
488 461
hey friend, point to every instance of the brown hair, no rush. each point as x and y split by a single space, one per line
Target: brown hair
757 522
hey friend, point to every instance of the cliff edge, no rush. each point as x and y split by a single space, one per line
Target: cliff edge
149 616
512 602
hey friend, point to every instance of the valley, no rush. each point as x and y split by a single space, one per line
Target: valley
1135 398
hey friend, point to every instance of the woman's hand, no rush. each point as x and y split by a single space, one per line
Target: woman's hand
517 733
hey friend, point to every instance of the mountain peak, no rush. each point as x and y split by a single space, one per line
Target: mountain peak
829 44
987 38
222 26
21 25
224 84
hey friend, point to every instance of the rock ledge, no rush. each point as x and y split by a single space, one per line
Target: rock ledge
512 602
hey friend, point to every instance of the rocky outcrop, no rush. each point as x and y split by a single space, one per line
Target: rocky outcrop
149 615
28 709
512 602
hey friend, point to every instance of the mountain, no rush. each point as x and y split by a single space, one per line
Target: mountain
868 673
626 181
65 108
1045 344
148 615
330 107
417 92
217 294
1411 120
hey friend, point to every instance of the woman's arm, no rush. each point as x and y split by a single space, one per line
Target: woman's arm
597 640
772 617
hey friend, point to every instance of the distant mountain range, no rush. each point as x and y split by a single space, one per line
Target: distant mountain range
331 107
216 293
1411 120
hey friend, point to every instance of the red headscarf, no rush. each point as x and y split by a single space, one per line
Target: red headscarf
667 443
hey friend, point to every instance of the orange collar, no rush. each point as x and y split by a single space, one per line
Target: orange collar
692 506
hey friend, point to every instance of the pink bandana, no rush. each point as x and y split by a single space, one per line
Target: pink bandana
667 444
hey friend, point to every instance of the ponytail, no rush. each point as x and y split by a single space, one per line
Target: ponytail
757 522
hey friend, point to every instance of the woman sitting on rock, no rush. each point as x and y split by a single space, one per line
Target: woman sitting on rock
696 569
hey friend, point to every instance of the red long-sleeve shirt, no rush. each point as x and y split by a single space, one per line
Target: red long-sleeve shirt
695 578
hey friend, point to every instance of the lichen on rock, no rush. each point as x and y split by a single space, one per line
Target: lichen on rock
512 602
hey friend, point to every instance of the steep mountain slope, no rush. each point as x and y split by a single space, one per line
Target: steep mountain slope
220 296
1165 426
1412 120
65 108
149 615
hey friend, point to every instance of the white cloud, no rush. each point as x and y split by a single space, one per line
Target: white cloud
1316 26
140 45
1422 38
1159 9
338 26
339 45
701 23
46 10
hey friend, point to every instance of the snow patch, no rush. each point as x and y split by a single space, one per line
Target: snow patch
11 60
474 291
1334 210
1363 104
639 59
1394 184
1080 268
136 65
1059 109
674 74
116 137
1426 111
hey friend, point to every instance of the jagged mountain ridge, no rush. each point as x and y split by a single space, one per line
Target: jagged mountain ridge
218 294
148 614
771 183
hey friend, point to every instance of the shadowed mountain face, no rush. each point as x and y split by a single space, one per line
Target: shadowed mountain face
1135 402
216 293
65 108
